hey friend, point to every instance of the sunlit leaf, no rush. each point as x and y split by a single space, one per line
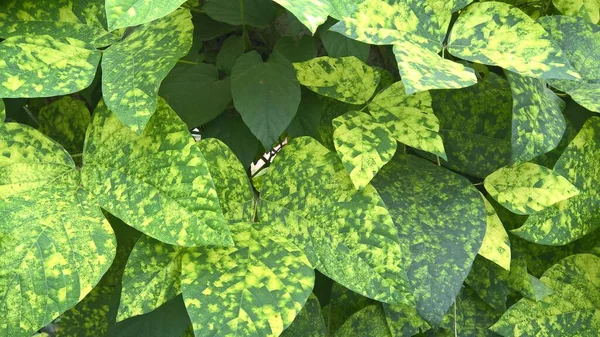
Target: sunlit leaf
128 13
496 245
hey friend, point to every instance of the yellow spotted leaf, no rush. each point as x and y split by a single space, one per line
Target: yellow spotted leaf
312 13
128 13
587 9
496 244
65 121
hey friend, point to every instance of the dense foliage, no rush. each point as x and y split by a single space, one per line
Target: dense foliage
316 168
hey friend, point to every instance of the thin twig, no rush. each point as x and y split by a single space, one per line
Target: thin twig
187 62
33 118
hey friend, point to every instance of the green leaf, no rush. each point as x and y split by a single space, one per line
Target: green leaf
368 322
55 244
79 19
2 111
65 121
489 282
475 124
253 289
309 322
363 145
157 182
441 217
133 68
312 13
42 66
571 219
150 278
496 245
231 49
129 13
246 12
570 311
296 50
196 93
404 320
528 188
499 34
346 79
308 118
538 124
311 200
338 45
410 118
266 94
206 28
580 40
588 9
416 29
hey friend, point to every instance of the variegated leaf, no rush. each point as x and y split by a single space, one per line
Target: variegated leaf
65 121
346 79
309 322
43 66
409 118
528 188
587 9
368 322
571 219
363 145
129 13
133 69
312 13
499 34
55 244
157 182
496 245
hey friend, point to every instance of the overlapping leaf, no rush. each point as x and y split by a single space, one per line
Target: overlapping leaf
296 49
79 19
496 245
409 117
368 322
588 9
249 12
157 182
55 244
338 45
441 217
253 289
312 13
499 34
309 322
528 188
571 311
128 13
346 79
65 121
42 66
134 68
416 29
363 145
571 219
266 94
348 235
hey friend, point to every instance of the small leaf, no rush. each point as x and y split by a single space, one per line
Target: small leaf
499 34
249 12
296 50
55 244
496 245
528 188
575 217
441 218
158 182
409 118
363 145
65 121
267 94
42 66
231 49
129 13
309 322
253 289
133 68
588 9
346 79
570 311
312 13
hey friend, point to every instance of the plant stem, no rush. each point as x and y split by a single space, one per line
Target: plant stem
245 29
187 62
76 155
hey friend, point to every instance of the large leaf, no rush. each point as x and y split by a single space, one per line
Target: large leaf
312 13
363 145
348 235
196 93
133 69
580 40
538 124
309 322
128 13
158 182
266 94
571 311
496 244
441 217
80 19
588 9
499 34
571 219
253 289
246 12
55 243
346 79
65 121
416 29
409 117
528 188
42 66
